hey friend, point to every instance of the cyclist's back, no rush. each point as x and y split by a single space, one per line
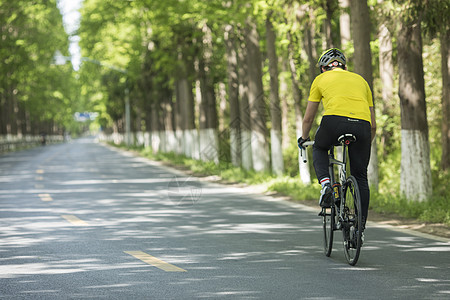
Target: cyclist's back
342 93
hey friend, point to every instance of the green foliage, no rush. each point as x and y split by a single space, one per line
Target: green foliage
110 39
31 34
436 17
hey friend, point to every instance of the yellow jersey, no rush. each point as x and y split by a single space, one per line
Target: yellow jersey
342 93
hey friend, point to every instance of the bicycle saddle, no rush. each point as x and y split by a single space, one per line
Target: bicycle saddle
347 138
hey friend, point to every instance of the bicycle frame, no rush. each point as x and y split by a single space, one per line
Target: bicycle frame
342 175
345 215
341 163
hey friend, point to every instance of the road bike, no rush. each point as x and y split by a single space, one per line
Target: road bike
345 213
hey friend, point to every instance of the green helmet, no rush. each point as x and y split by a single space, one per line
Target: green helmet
331 55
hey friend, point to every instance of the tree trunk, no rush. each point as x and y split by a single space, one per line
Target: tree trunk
246 149
223 106
233 96
186 102
361 35
2 113
415 176
209 148
305 175
309 44
201 93
387 81
344 24
330 8
189 118
362 57
145 85
208 92
445 65
10 116
284 92
260 147
275 112
20 118
27 123
156 128
179 119
169 116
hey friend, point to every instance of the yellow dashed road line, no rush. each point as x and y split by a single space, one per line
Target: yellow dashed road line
156 262
75 220
45 197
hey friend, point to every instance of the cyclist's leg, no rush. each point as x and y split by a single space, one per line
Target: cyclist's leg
325 137
359 155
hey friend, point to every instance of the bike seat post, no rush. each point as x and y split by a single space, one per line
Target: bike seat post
345 140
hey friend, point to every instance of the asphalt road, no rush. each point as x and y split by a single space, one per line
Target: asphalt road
82 220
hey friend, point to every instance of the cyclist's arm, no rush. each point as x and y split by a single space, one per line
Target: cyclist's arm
373 122
308 119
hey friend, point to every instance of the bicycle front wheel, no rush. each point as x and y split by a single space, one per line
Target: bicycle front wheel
328 215
352 220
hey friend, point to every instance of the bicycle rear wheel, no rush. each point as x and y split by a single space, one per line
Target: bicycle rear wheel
328 215
352 220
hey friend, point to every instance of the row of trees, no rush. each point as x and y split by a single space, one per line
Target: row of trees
36 96
200 69
229 79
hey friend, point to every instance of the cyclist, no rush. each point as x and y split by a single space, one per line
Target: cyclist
348 108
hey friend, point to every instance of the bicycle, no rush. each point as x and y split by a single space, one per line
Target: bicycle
345 211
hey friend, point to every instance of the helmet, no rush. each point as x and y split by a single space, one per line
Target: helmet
331 55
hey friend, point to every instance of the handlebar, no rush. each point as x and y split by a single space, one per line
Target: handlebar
303 151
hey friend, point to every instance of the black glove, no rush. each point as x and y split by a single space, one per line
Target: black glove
301 141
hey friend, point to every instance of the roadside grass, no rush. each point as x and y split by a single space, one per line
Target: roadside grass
434 210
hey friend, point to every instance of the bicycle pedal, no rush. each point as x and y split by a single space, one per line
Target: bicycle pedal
322 214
